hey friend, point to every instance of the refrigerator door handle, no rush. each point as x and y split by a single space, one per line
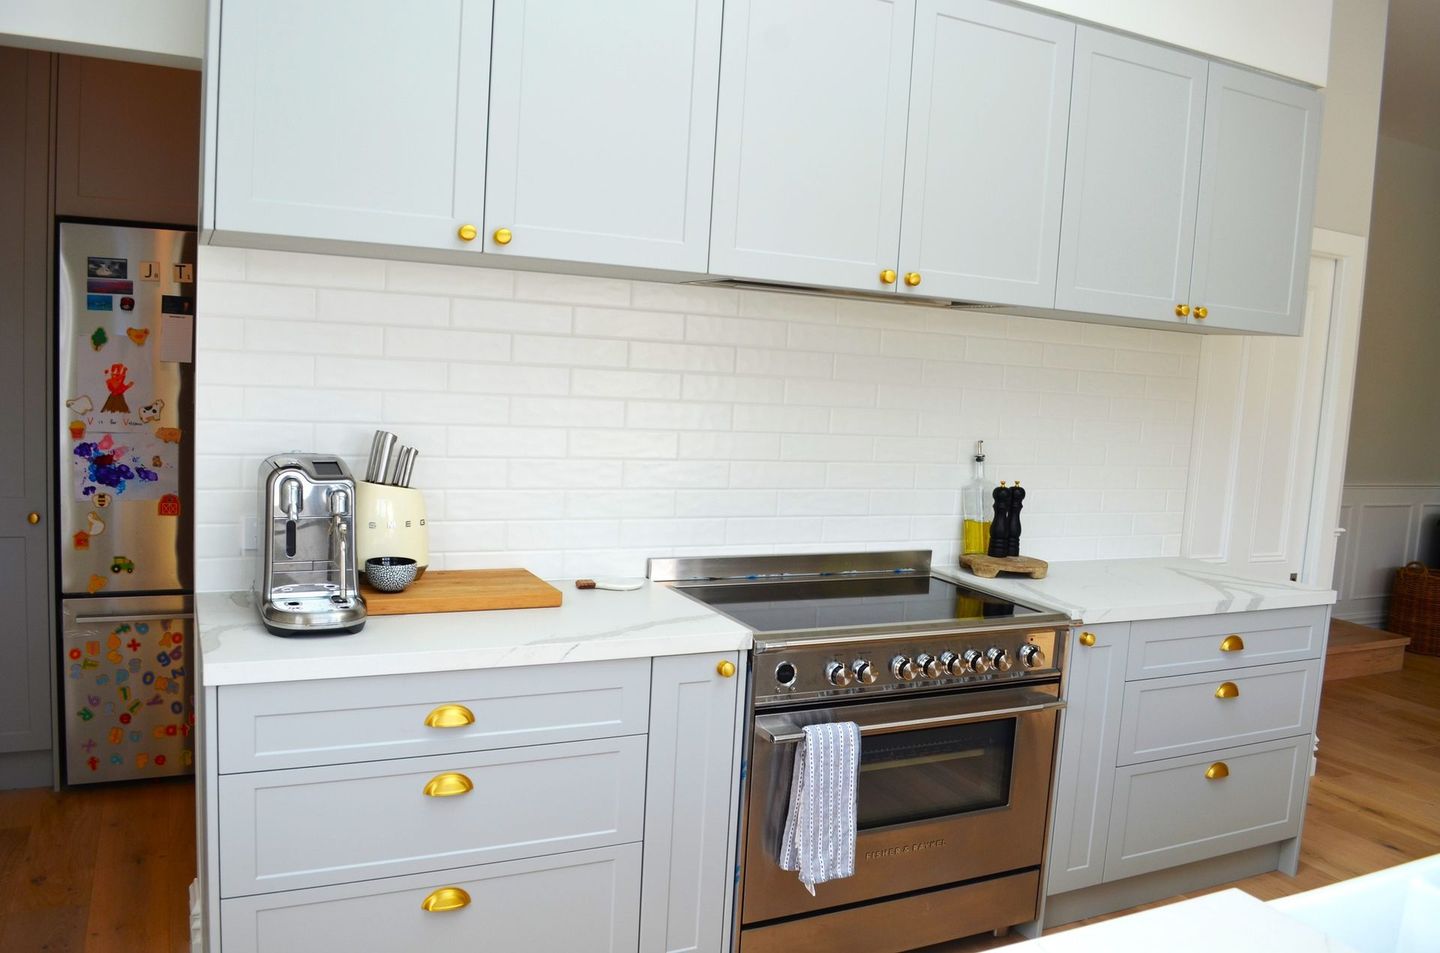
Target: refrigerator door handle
156 617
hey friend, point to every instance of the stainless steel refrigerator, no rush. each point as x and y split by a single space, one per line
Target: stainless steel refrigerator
125 322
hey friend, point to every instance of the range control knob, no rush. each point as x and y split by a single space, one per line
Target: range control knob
954 664
999 659
864 671
1031 656
838 674
976 662
929 666
902 668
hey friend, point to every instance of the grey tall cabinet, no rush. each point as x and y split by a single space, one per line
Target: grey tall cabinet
25 608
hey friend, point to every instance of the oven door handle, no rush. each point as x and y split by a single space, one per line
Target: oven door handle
788 732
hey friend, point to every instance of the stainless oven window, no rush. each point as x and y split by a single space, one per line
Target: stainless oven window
918 775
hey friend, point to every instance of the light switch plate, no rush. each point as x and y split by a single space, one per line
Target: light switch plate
250 534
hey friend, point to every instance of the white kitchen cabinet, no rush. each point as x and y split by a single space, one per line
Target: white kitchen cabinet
602 131
351 120
1132 178
1089 739
1257 197
691 803
810 141
985 160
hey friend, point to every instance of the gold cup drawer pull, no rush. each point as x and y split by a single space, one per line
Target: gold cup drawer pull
450 716
1217 771
1087 639
1227 690
1232 643
449 784
446 898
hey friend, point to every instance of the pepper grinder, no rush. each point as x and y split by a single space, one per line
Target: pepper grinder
1012 533
1000 526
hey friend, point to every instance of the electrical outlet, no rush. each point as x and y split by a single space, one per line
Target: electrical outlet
250 534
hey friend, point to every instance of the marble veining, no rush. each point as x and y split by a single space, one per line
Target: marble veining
591 625
1132 590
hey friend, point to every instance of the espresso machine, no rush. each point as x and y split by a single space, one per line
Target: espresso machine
307 582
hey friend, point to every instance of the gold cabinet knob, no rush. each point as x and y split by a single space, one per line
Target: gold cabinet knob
1227 690
33 518
449 784
887 277
912 278
1232 643
1182 310
1202 313
503 236
1087 639
467 233
446 898
726 668
450 716
1217 771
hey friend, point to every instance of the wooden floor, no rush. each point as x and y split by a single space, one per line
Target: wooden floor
105 869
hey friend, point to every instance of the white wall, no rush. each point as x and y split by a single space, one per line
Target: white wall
578 425
1386 526
1288 37
162 32
1346 176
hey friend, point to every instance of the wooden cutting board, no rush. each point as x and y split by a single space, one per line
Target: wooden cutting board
988 567
465 590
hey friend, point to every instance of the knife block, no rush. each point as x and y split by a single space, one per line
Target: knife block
390 521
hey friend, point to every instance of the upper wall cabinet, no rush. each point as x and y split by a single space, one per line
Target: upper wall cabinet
1257 187
1132 176
985 161
127 141
810 144
602 131
353 120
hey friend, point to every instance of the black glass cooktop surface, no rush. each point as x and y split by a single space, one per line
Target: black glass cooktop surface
829 603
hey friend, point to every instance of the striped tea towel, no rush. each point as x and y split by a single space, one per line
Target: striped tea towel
819 839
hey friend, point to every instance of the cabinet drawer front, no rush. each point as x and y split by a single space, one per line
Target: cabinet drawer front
1188 714
343 720
282 830
1184 646
582 902
1169 813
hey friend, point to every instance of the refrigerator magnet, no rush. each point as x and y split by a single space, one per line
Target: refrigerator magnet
99 303
169 505
101 267
127 304
82 540
151 411
81 405
96 584
77 430
98 337
109 286
149 271
137 335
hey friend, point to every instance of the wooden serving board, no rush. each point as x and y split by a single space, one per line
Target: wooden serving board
988 567
465 590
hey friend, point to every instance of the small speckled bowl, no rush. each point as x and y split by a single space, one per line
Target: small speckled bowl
390 573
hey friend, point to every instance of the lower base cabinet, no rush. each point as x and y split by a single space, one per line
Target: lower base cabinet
1185 741
580 902
620 844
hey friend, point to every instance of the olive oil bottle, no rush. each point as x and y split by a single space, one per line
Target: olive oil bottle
975 512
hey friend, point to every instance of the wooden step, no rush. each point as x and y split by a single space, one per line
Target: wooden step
1356 650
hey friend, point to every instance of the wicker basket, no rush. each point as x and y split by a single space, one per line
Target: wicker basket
1415 607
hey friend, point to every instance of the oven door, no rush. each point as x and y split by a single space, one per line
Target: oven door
951 788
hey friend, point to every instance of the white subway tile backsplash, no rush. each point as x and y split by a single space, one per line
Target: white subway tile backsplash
570 352
480 314
577 425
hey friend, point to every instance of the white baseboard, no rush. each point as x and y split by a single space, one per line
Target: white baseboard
1386 527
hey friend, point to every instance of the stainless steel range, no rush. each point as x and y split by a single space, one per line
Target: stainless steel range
956 693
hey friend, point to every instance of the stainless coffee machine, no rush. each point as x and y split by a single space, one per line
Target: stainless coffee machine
307 581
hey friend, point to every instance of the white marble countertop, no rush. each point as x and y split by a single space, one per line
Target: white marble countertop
1230 920
591 625
1130 590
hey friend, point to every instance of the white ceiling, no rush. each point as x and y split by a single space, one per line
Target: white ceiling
1410 98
